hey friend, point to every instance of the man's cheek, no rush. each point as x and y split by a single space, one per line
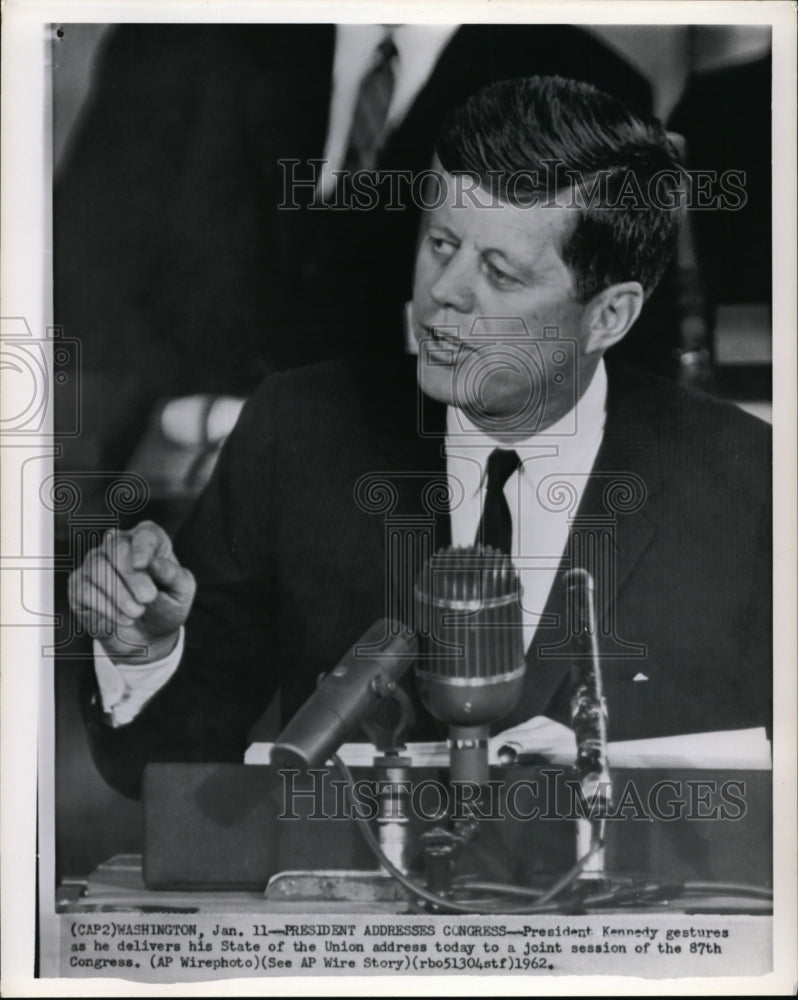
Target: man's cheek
420 300
422 269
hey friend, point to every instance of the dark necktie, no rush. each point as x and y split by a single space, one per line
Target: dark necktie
371 110
496 526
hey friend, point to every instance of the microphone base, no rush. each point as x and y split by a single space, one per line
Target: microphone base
335 886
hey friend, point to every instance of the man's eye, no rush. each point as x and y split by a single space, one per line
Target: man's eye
499 278
440 247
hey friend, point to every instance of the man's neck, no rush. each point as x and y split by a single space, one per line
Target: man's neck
565 421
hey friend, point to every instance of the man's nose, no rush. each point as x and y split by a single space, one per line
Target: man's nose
454 288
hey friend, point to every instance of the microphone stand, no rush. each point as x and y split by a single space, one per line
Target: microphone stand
393 781
392 771
589 722
442 847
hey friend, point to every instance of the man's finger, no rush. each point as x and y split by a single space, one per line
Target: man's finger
101 578
164 571
118 550
147 540
173 577
97 611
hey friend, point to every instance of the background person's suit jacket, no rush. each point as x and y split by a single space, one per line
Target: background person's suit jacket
291 564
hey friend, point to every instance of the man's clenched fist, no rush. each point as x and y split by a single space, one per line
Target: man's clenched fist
132 594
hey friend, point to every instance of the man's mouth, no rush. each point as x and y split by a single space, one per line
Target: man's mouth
440 336
439 347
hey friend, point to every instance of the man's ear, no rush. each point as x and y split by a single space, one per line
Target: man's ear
610 315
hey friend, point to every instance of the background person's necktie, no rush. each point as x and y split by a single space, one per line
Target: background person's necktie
496 526
371 110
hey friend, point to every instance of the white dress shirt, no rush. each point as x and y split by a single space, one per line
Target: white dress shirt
564 453
126 688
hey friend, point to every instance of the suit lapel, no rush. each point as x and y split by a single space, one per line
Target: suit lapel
609 532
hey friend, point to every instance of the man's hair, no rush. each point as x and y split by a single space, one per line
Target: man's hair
574 145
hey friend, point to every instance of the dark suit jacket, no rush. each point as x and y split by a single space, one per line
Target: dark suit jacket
289 541
174 264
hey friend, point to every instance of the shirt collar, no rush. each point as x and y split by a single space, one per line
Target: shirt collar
567 440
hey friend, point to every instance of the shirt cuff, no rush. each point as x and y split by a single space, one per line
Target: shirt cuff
126 688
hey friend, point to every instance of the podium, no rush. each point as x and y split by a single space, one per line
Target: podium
216 834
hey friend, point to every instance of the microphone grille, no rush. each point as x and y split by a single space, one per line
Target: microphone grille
469 613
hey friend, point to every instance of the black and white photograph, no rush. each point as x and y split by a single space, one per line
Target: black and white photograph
398 499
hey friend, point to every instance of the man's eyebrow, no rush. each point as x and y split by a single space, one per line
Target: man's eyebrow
444 229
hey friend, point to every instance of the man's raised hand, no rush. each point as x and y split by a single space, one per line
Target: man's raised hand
132 594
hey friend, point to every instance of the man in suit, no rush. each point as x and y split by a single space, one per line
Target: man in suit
526 274
175 264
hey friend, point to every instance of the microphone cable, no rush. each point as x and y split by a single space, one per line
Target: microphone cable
544 900
642 892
